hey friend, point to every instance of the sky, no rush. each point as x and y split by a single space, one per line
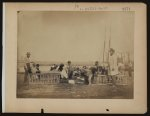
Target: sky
73 35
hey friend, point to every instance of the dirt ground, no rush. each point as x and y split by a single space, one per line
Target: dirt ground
74 91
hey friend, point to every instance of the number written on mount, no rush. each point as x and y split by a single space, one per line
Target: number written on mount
126 8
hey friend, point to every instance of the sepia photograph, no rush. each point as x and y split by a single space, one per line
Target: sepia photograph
74 58
75 54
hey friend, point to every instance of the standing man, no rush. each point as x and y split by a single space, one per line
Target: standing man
95 71
27 67
69 70
113 68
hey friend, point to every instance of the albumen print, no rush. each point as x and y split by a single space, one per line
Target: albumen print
75 54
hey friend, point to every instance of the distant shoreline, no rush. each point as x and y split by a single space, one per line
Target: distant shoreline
42 63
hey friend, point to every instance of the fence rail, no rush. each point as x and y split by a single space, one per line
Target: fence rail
55 78
45 78
119 79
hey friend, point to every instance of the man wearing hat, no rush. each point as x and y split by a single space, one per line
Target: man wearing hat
113 62
113 67
27 67
69 70
95 70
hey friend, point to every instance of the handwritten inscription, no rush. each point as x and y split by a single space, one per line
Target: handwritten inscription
93 8
77 6
126 8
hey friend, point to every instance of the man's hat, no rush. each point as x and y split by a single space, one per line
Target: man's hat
111 49
28 53
69 61
96 62
37 65
61 65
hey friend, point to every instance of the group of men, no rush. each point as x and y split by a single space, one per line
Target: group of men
70 72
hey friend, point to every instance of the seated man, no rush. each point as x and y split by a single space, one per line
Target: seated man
38 70
63 71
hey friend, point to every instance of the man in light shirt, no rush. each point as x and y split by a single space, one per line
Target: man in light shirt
27 67
113 62
113 67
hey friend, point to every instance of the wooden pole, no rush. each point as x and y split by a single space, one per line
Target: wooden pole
128 57
109 44
110 38
104 45
109 47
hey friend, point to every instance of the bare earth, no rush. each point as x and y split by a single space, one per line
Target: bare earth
74 91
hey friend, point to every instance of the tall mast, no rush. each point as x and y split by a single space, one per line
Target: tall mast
128 57
104 45
109 43
110 38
